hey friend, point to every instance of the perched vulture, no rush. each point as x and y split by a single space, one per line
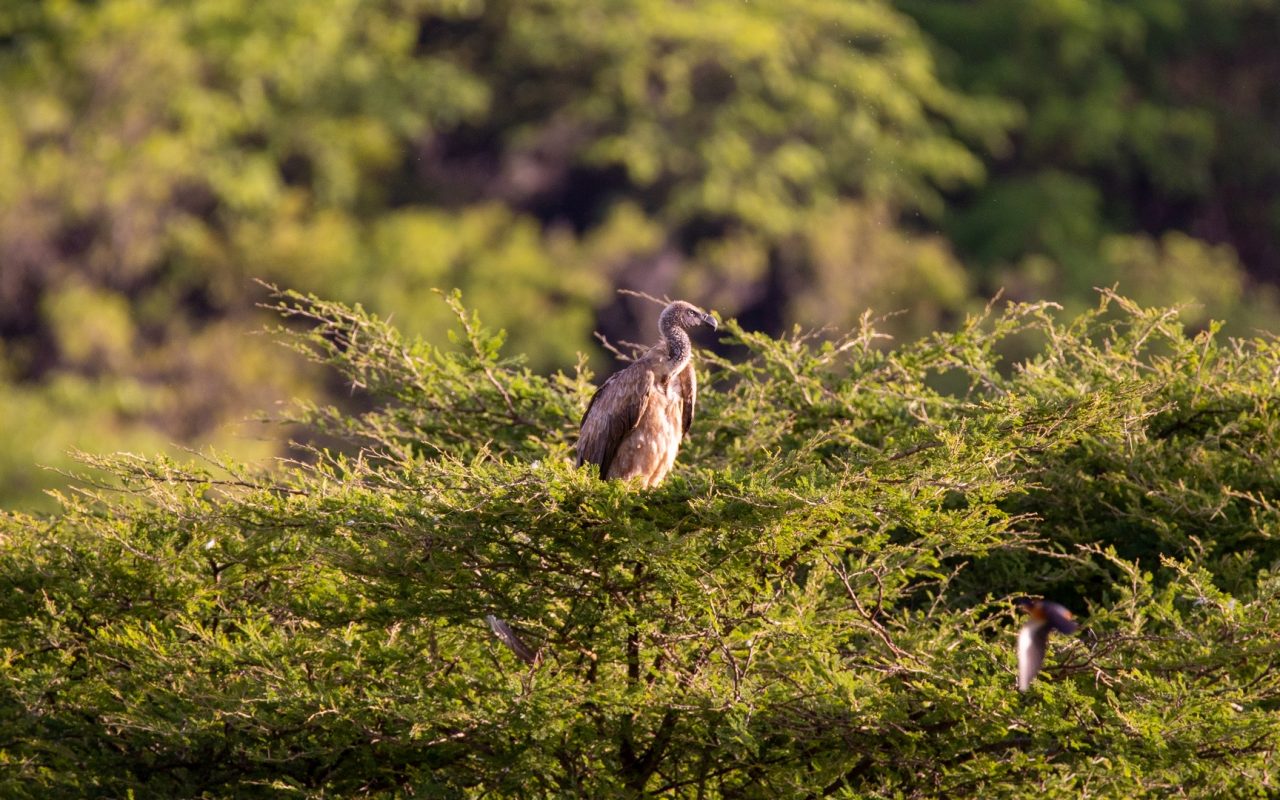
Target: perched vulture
635 421
1043 617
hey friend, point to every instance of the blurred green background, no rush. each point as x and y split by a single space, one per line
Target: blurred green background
784 162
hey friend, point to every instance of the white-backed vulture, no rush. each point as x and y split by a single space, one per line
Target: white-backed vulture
633 426
635 421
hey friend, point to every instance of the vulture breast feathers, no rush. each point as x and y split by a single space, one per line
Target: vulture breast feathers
634 424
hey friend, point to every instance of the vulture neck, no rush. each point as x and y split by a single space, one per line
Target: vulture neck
678 350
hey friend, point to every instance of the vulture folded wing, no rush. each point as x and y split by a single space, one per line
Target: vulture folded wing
689 395
615 409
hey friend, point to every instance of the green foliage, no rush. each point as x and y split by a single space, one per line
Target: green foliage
156 158
815 603
753 112
1140 118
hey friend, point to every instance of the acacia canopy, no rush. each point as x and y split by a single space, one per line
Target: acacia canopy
816 602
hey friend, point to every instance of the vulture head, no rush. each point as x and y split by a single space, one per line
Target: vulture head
685 316
674 323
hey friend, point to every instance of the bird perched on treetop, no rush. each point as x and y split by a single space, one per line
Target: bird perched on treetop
1043 617
633 426
635 421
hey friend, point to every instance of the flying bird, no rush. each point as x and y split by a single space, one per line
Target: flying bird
633 426
1043 617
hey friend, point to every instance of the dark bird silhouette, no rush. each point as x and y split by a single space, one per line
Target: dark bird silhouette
633 426
511 639
1043 617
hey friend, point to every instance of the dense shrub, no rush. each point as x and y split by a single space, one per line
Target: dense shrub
815 603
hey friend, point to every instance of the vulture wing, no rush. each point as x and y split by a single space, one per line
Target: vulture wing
689 395
615 409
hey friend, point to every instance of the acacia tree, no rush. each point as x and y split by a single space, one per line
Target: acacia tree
814 604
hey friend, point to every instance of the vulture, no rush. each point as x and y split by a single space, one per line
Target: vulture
1043 617
634 423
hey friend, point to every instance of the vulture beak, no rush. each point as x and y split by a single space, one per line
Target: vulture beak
711 321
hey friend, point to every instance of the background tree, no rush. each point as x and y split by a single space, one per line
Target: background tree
1142 119
783 162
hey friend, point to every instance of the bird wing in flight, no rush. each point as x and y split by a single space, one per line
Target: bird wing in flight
1032 640
1059 618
